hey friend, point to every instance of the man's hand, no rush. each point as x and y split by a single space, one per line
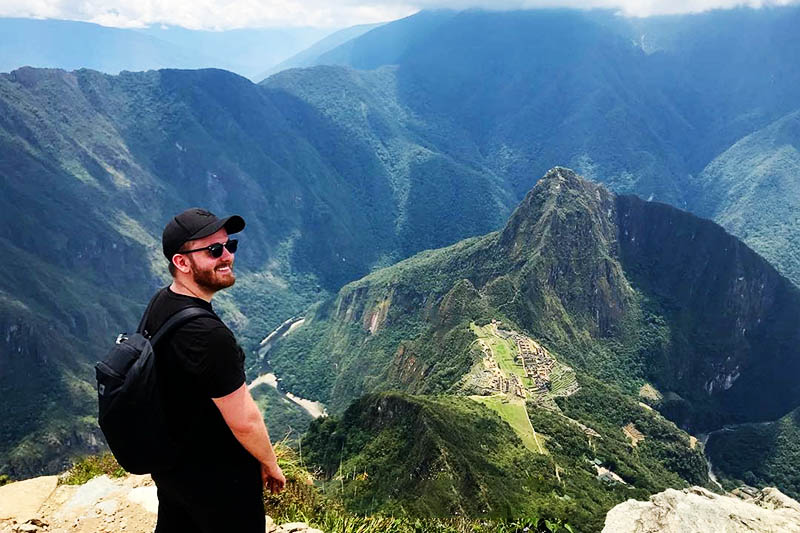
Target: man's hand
272 477
245 421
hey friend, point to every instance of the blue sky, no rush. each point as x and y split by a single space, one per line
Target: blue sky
229 14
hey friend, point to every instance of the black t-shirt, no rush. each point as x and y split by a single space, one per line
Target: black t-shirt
199 361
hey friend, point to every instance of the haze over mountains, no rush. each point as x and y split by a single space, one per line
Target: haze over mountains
416 135
645 105
73 45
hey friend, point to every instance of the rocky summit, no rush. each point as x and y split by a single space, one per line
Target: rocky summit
102 505
697 510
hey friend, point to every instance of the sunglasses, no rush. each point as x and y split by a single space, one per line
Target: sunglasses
216 249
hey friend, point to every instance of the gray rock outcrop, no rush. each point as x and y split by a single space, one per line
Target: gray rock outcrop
697 510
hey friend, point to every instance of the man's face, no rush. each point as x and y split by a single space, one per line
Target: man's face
208 272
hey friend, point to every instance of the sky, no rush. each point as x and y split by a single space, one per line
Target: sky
230 14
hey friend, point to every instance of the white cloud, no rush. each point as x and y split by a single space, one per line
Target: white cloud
227 14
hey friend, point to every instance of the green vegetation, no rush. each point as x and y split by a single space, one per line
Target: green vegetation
286 420
515 415
751 190
666 457
759 455
625 328
562 380
339 171
321 508
92 466
504 351
422 456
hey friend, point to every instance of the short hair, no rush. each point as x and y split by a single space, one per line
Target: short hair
173 270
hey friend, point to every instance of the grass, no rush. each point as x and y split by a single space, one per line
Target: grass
504 352
516 415
301 501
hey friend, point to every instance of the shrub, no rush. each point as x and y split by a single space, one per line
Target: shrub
92 466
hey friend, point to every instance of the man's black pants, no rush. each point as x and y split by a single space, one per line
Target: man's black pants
210 502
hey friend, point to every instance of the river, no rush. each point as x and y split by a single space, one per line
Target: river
704 437
315 409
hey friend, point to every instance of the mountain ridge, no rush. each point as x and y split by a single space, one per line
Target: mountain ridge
594 289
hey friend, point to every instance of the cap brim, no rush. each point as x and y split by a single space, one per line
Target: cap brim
232 224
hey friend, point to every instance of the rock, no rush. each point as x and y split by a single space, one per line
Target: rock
90 493
21 501
270 525
27 528
147 497
108 507
772 498
697 510
292 527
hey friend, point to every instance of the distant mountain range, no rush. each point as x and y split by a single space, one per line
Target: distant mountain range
73 45
648 106
424 132
91 167
311 55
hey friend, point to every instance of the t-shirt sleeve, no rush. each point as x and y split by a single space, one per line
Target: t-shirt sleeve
212 357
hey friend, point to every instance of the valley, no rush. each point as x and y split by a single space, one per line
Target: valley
457 325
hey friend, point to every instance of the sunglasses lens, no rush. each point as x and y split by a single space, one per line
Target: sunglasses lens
216 249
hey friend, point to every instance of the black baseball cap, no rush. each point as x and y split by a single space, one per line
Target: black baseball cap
195 223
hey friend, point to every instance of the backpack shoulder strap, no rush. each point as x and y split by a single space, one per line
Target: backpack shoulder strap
178 319
143 321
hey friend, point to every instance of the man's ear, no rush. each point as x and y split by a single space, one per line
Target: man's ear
182 263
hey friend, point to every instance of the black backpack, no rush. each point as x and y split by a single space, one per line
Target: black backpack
131 414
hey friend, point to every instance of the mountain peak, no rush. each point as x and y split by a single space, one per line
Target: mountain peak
562 204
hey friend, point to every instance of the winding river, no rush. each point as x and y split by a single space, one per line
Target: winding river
315 409
704 438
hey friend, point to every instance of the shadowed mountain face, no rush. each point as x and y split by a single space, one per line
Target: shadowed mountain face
628 291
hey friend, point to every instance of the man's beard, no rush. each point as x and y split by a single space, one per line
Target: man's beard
212 280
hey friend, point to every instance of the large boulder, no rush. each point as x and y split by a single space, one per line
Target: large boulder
697 510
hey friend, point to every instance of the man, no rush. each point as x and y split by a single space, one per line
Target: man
226 454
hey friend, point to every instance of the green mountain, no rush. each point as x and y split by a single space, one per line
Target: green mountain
629 291
92 165
751 189
428 456
759 454
578 325
341 171
643 105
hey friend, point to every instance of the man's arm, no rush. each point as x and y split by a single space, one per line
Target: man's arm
244 419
